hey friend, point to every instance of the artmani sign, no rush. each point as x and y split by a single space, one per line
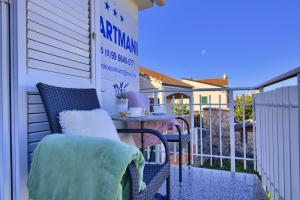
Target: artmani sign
119 46
119 43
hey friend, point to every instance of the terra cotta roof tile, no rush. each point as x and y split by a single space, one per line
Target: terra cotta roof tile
163 78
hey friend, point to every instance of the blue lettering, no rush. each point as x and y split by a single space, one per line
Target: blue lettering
102 30
108 30
114 34
133 47
128 44
121 39
136 48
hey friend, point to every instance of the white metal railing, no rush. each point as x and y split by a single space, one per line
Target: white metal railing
215 122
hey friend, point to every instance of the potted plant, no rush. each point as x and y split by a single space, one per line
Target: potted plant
121 100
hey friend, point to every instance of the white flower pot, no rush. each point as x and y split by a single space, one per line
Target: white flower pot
122 105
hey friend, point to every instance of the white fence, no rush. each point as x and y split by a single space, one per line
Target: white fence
215 140
277 139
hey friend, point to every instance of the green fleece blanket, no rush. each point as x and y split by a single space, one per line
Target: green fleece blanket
66 167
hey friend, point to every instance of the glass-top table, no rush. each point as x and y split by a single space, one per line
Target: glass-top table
143 119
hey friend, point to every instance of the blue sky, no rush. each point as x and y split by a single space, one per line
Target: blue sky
250 40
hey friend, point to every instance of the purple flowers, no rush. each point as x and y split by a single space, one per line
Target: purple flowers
120 90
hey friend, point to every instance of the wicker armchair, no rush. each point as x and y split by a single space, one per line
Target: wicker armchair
57 99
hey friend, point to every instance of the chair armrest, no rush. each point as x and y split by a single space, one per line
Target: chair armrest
134 180
186 123
152 132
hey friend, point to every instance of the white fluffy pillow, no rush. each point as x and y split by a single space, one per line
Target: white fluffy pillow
96 123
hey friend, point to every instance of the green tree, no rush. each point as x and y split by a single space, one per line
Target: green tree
238 112
178 109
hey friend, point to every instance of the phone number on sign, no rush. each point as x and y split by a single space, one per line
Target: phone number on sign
117 57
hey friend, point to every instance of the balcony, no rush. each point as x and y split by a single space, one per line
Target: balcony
201 183
253 133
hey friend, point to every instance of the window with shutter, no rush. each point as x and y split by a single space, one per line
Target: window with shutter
58 36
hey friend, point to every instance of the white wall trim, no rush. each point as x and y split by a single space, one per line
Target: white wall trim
5 159
18 101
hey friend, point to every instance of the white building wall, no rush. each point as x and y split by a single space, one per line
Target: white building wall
146 84
215 95
153 84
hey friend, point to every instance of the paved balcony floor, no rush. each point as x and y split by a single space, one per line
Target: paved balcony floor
209 184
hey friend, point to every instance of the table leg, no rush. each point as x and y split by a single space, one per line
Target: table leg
180 154
151 153
142 137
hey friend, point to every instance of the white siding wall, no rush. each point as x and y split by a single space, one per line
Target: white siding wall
277 142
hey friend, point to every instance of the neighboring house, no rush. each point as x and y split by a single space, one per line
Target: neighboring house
209 97
152 80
